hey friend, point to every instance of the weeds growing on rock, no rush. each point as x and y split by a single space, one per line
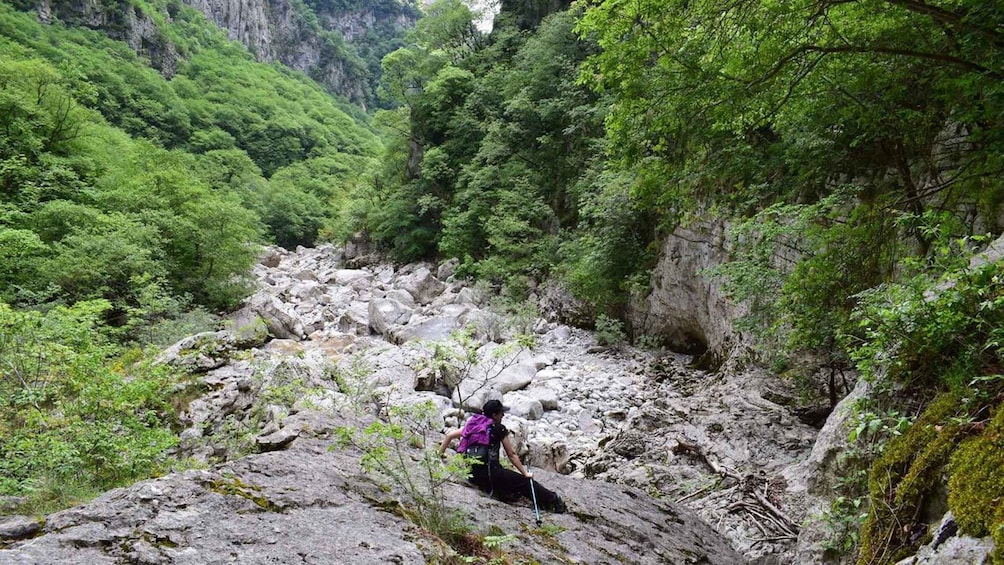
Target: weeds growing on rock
400 452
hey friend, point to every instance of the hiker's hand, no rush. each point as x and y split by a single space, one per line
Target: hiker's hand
528 474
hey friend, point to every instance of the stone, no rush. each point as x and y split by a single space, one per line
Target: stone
271 258
523 406
465 296
280 319
447 268
207 350
306 275
438 327
545 395
422 285
14 528
357 279
319 505
385 313
600 414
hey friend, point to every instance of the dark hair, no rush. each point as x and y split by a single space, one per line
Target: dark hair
493 407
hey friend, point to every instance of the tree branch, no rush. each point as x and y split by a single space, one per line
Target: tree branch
942 57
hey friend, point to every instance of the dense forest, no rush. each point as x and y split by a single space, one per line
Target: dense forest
853 149
132 208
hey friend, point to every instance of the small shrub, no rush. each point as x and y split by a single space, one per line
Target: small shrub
399 451
648 342
610 331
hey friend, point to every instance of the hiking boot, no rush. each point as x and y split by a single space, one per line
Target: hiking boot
558 507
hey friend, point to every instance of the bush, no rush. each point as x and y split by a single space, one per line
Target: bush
72 422
400 451
610 331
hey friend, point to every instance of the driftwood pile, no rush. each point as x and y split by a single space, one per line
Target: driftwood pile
752 494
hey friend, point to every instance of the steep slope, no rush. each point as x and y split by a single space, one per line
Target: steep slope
338 44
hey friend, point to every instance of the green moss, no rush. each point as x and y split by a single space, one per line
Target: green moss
234 486
976 485
908 472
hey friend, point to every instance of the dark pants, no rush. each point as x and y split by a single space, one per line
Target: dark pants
508 485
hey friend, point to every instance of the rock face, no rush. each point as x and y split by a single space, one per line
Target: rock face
121 21
279 31
687 309
272 30
246 21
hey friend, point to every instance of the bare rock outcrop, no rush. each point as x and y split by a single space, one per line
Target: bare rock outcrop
312 504
688 309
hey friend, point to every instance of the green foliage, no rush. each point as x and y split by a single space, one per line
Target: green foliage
610 331
513 318
749 101
56 146
934 333
609 254
389 449
843 520
498 139
72 423
360 58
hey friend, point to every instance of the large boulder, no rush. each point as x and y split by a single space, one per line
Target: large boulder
318 506
523 406
209 350
437 327
421 284
384 313
263 509
280 318
357 279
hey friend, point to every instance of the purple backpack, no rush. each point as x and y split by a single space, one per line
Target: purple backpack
476 432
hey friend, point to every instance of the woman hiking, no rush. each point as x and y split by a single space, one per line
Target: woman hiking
480 439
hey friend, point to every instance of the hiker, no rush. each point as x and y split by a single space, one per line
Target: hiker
481 438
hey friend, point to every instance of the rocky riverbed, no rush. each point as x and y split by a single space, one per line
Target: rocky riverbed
624 415
324 333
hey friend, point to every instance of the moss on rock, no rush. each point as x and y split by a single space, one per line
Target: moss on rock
909 471
976 485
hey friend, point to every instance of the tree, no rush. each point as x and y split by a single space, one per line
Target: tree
854 87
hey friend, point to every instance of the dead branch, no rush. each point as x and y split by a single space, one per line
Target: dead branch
695 450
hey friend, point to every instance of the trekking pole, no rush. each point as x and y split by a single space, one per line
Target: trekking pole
533 495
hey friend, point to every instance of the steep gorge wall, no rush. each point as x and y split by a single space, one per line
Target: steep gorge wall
282 31
338 45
